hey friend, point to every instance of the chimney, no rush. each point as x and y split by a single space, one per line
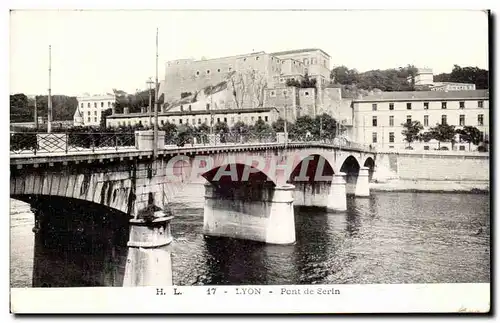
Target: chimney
125 110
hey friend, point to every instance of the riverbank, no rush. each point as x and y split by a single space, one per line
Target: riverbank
477 187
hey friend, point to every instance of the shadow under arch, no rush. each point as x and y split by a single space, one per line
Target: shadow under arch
350 167
77 243
370 163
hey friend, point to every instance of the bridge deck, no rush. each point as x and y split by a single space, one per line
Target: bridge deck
126 152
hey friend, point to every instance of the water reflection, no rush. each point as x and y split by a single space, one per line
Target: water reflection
387 238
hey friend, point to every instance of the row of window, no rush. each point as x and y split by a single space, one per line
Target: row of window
273 93
88 119
444 105
88 113
199 121
95 105
391 138
444 117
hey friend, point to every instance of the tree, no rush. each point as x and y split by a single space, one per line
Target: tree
170 131
104 115
411 131
443 133
240 128
303 126
326 126
308 82
470 135
279 125
261 127
185 94
468 74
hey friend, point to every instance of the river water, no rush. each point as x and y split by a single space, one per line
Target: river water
389 238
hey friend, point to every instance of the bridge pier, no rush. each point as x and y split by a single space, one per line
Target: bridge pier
149 260
265 215
363 183
337 199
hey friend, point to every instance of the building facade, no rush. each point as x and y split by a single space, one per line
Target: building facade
90 108
378 119
195 118
450 86
187 75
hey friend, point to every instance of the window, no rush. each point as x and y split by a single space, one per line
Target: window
88 105
95 119
208 106
260 118
443 119
462 120
109 104
140 122
189 107
199 120
252 119
82 105
426 121
206 120
461 104
273 94
284 92
391 136
461 147
480 119
480 104
426 105
218 70
374 121
443 105
257 58
95 113
197 72
307 93
180 121
391 121
162 122
88 112
374 137
265 119
374 107
391 146
391 106
426 147
102 104
408 119
95 104
229 69
408 106
225 120
88 119
208 71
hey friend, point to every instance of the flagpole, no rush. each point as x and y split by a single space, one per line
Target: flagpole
155 127
49 99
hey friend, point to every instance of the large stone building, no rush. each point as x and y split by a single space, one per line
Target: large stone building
378 118
424 79
187 75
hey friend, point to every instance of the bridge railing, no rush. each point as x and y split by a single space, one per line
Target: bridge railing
37 143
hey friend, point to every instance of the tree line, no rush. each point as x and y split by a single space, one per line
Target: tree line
441 133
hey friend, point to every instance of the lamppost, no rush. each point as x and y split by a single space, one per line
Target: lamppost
49 98
149 82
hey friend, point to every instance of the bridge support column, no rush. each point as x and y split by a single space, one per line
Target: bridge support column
149 261
268 217
363 183
337 199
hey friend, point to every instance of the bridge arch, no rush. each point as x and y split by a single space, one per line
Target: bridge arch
370 163
310 168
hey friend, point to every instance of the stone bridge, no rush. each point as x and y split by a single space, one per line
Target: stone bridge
250 189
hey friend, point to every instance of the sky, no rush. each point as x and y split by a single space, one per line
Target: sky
94 51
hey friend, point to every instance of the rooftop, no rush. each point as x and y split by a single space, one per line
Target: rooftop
424 95
297 51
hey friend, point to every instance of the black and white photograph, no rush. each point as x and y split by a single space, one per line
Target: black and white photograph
280 160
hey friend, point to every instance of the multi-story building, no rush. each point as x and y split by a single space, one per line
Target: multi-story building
424 79
187 75
89 109
378 118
